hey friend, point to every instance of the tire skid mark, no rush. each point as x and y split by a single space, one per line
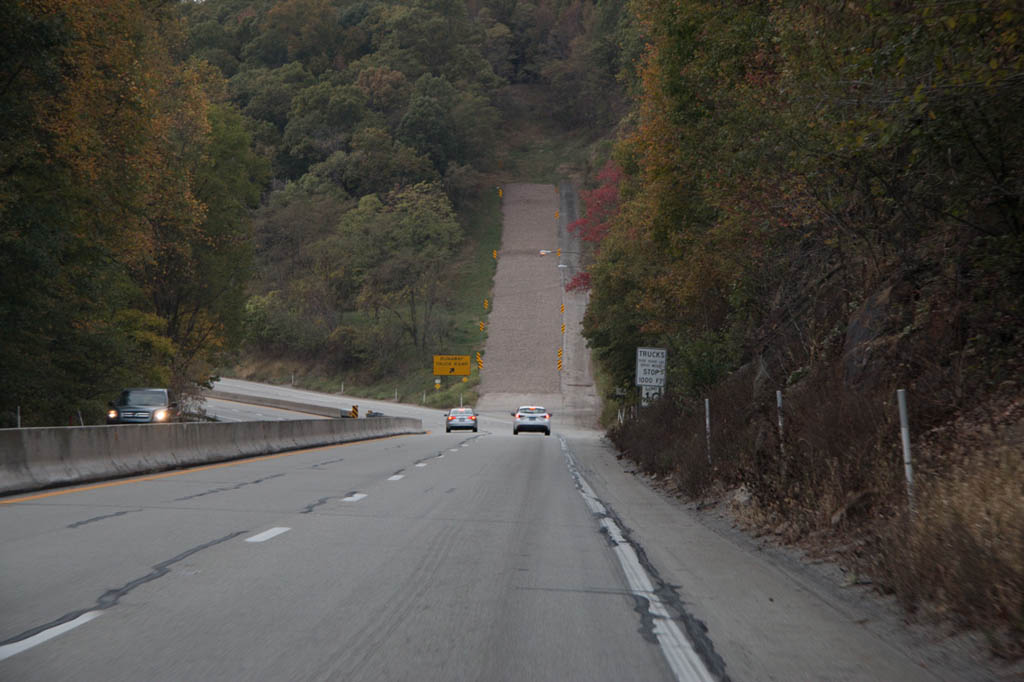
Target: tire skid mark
110 598
363 646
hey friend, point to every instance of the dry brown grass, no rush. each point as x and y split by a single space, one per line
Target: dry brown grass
961 553
838 477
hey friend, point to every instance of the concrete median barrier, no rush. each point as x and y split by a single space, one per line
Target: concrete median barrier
37 458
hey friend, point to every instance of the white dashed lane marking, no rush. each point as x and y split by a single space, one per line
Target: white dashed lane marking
9 650
354 497
267 534
396 477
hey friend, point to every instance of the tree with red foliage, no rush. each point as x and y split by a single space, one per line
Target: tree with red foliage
602 205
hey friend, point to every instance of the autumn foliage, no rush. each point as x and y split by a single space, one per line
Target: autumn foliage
824 199
122 246
602 204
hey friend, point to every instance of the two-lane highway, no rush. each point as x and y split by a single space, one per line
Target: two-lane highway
461 556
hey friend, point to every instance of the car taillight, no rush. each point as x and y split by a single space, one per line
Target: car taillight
472 417
450 417
547 416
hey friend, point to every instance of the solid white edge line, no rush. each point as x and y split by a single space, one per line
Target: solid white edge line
686 665
9 650
267 534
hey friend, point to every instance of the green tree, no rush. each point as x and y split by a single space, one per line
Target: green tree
400 251
376 164
321 121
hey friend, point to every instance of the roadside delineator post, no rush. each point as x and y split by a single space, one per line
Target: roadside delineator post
707 425
908 467
778 409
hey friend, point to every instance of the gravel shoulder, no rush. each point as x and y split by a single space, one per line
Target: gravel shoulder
524 327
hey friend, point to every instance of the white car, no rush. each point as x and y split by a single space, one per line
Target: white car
460 418
531 418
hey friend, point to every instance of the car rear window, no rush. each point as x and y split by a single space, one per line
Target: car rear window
532 410
462 411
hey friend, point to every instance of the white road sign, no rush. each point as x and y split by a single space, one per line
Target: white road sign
650 366
648 394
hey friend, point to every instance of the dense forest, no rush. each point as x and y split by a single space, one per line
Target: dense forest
819 204
127 179
183 182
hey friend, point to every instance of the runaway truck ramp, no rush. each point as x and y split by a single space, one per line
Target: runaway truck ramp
535 352
37 458
523 336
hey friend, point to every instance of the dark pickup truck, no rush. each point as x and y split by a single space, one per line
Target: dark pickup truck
142 406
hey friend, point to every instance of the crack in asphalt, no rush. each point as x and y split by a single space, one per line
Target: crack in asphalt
695 629
228 488
309 508
642 606
330 461
76 524
110 598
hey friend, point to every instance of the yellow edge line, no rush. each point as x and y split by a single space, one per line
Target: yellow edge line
179 472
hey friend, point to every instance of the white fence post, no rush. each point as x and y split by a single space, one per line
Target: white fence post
908 467
707 425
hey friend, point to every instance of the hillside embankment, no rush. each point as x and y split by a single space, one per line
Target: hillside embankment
827 471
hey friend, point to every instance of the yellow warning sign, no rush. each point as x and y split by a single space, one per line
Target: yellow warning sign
451 365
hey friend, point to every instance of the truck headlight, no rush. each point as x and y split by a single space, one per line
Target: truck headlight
160 415
112 414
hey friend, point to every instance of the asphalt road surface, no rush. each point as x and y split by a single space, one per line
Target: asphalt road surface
441 556
432 557
234 411
461 556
